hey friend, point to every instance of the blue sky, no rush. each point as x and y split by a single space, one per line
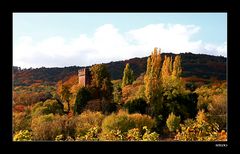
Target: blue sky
63 39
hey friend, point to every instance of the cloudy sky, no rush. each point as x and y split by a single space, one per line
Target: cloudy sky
82 39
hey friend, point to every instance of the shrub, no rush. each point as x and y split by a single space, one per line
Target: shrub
198 130
123 122
148 136
87 120
91 135
134 135
59 138
113 135
36 111
70 126
53 106
119 121
173 122
22 135
47 107
218 110
140 121
21 121
47 127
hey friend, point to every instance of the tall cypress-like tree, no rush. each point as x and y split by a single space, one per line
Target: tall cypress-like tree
128 76
171 81
166 71
177 69
153 86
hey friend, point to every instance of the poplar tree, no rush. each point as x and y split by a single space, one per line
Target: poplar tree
152 80
166 71
177 70
128 76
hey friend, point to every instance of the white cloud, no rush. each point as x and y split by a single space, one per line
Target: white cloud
108 44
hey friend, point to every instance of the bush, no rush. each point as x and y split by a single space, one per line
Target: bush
22 135
38 109
70 126
148 136
198 130
142 120
21 121
173 122
134 135
91 135
138 105
53 106
123 122
59 138
218 110
47 107
88 120
47 127
113 135
119 121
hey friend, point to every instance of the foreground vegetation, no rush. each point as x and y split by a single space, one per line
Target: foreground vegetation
156 106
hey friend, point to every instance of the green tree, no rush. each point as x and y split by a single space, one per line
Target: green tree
82 97
137 105
101 80
117 92
128 76
153 86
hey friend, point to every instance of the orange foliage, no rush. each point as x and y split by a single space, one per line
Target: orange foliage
18 108
72 80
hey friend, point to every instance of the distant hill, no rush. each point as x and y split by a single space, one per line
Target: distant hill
193 65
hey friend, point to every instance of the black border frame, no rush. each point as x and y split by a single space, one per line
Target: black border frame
229 6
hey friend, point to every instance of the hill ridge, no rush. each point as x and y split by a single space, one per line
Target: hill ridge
193 65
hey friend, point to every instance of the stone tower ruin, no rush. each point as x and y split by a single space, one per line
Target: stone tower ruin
84 77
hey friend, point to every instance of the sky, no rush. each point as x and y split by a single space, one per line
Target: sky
83 39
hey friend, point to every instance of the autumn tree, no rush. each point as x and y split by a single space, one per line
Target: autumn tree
153 86
173 85
166 71
177 69
64 94
128 76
